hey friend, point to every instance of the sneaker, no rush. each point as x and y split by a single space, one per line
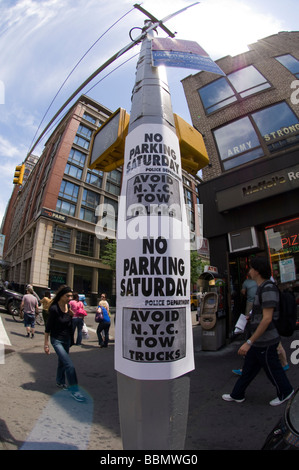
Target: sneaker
78 396
227 397
277 401
237 371
62 386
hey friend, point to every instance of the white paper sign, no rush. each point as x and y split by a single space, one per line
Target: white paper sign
153 318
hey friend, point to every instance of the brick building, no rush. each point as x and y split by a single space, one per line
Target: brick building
250 191
59 222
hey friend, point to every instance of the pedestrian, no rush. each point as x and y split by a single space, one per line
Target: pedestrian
105 304
260 350
29 306
60 329
103 325
45 302
79 313
249 288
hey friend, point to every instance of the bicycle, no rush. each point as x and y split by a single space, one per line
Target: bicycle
15 310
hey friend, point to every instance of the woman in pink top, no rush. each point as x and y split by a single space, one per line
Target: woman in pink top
79 313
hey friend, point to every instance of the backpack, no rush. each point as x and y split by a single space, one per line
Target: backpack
100 316
286 322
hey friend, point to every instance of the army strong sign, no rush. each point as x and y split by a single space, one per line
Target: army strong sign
153 319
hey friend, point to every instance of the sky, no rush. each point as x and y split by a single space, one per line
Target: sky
42 41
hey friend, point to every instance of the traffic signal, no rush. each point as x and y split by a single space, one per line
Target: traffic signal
193 150
19 174
108 142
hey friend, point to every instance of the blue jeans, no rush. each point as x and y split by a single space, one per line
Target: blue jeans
65 365
266 358
78 323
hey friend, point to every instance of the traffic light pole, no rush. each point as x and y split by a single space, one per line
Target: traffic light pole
153 343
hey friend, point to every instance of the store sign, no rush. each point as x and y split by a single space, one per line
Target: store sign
53 215
257 189
153 328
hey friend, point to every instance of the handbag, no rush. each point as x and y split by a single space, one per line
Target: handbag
99 315
81 311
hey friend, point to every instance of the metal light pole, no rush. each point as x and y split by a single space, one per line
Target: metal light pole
153 343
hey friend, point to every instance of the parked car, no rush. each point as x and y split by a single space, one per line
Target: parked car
10 299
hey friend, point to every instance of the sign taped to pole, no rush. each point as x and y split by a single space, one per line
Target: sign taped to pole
153 326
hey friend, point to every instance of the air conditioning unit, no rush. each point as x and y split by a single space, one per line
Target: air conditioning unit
243 240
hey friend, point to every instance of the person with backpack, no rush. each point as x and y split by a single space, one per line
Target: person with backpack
103 318
260 350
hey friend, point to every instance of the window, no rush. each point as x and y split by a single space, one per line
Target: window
84 131
90 201
89 118
73 171
95 178
235 87
283 247
69 191
61 238
81 142
278 125
248 81
65 207
289 62
216 95
237 143
84 244
77 157
111 208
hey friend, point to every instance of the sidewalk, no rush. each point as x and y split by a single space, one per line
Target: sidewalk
213 424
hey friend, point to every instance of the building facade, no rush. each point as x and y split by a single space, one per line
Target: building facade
250 191
58 224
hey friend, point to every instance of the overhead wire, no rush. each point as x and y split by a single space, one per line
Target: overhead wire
73 69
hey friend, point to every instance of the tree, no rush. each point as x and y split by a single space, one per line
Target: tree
109 255
196 266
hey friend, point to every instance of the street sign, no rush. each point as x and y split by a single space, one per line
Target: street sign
182 53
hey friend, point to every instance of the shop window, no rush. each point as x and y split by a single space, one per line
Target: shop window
57 274
283 246
237 143
290 63
84 244
61 238
278 125
235 87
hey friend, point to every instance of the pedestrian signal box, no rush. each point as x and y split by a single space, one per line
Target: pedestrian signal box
19 174
193 150
108 142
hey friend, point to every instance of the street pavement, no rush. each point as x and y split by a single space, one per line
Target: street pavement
36 415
